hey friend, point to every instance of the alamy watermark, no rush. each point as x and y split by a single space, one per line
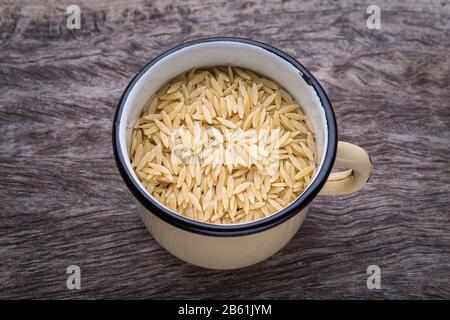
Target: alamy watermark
198 145
374 279
73 20
74 280
374 20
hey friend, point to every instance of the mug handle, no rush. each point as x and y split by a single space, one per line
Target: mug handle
359 169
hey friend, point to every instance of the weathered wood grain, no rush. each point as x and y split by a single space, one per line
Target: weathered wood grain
64 203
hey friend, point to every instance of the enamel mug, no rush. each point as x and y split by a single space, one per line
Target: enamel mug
234 246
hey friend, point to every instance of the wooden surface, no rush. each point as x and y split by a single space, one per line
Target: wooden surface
64 203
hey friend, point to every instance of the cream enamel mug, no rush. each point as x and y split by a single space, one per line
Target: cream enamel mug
239 245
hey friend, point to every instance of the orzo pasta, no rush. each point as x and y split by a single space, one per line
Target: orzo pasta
223 145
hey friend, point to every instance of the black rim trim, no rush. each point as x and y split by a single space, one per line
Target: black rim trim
239 229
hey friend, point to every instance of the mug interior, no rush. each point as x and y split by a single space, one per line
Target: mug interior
221 53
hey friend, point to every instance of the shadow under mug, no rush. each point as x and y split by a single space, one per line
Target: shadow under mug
239 245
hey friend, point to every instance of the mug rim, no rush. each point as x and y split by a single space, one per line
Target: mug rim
227 230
